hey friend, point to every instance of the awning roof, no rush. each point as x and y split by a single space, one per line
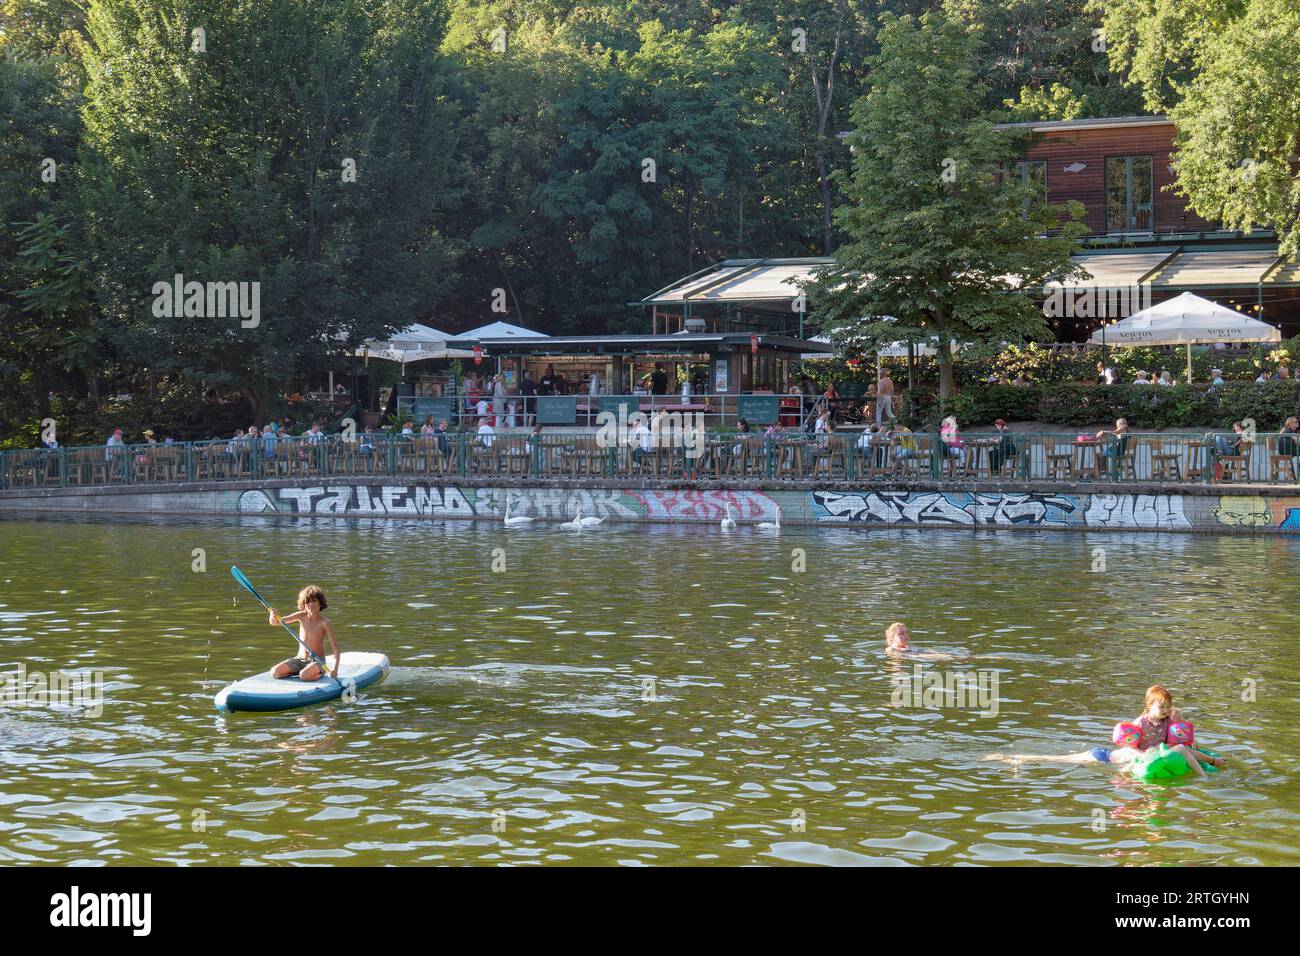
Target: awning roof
1217 268
740 280
637 344
1116 269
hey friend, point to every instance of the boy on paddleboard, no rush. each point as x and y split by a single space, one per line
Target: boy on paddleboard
313 628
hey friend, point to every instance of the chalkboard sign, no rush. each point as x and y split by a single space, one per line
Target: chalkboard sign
421 407
612 403
557 410
759 409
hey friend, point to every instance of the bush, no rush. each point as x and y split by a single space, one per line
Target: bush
1145 406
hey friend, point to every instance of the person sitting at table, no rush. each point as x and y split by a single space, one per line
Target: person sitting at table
486 434
1164 378
950 435
534 441
906 443
867 437
148 436
408 429
774 432
1120 445
367 445
314 435
1230 444
1287 444
742 429
641 440
114 442
440 435
1004 450
235 443
1141 379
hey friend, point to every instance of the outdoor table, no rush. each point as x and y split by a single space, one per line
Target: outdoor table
1082 466
979 456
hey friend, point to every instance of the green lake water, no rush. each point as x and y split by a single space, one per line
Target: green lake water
641 695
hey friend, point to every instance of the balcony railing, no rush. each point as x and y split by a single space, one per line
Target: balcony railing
1165 459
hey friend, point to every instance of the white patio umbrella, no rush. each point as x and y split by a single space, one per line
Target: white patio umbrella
496 330
1188 320
411 344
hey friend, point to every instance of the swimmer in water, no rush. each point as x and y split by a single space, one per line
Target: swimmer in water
898 643
1132 739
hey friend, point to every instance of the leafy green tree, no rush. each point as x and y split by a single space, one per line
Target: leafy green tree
937 238
1225 71
220 141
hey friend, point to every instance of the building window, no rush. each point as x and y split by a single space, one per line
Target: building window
1129 194
1032 173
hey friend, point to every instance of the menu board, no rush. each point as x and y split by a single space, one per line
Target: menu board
759 409
557 410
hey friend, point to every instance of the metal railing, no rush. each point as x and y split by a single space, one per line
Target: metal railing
709 410
1173 459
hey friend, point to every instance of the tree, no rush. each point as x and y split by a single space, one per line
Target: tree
219 141
937 238
1225 71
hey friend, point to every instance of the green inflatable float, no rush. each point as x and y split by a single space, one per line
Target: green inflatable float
1165 763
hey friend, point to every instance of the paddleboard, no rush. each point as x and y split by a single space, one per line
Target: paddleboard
357 670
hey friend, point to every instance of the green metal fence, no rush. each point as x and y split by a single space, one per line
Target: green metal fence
793 456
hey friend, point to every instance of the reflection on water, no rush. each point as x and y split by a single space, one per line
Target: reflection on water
641 696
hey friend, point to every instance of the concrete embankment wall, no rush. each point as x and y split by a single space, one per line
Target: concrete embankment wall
1217 509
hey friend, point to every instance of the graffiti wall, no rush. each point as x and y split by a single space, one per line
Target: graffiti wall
865 508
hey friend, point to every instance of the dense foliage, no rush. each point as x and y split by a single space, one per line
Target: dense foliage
564 157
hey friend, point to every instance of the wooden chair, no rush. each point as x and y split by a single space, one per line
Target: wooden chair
81 465
1166 459
342 458
518 457
950 463
1126 462
915 461
1234 467
1282 459
753 456
288 461
830 457
1059 456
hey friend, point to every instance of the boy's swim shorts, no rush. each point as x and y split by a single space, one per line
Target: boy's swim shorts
295 664
1101 754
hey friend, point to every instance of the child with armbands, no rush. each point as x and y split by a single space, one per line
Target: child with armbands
1159 724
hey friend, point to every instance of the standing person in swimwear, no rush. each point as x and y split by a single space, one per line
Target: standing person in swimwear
884 397
313 628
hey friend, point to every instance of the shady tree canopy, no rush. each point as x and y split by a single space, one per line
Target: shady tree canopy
938 234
